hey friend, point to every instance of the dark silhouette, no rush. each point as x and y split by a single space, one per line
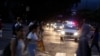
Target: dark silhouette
95 37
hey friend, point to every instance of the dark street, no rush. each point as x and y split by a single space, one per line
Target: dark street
52 43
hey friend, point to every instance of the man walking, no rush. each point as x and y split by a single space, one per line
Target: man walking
83 48
18 23
95 39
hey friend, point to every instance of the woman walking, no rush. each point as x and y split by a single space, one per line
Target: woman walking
32 38
18 44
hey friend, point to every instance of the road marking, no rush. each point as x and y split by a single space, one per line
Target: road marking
60 54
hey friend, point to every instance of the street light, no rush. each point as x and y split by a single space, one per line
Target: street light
27 10
74 12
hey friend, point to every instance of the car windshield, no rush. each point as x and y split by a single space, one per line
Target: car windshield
70 27
58 24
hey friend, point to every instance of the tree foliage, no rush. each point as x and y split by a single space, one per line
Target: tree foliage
90 15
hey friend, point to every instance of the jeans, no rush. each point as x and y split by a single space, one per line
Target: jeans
31 49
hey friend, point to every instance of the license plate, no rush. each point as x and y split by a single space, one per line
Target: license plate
69 33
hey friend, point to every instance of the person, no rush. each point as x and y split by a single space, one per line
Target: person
1 27
41 30
95 39
18 23
18 47
31 40
31 23
83 47
0 24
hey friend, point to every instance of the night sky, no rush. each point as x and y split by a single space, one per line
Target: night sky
10 9
50 7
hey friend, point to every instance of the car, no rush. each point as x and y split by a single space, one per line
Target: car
58 26
70 30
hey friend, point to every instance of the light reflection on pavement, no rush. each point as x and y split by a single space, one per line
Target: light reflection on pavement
51 41
54 46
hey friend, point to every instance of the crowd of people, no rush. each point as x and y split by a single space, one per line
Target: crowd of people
25 45
21 44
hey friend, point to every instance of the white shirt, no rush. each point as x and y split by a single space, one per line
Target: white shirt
32 36
20 49
31 23
18 24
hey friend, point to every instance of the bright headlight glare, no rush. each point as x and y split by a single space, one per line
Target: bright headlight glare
75 34
55 26
52 24
62 32
60 27
47 23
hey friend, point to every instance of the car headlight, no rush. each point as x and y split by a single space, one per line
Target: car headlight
55 26
47 24
76 34
62 32
61 27
51 24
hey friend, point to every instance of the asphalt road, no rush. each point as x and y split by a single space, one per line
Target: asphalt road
52 43
55 47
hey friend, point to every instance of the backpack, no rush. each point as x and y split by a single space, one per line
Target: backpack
7 51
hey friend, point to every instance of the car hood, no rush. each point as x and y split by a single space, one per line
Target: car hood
70 30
